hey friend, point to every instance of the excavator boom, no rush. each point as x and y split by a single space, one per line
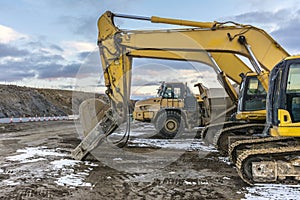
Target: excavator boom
117 47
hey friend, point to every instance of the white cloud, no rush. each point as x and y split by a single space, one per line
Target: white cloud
11 59
73 48
78 46
266 5
8 34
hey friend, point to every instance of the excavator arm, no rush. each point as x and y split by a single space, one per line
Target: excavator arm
218 45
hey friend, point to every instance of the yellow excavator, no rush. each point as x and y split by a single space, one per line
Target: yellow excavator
222 41
206 43
275 159
218 45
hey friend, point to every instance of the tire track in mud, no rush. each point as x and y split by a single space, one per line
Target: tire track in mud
187 178
167 188
34 192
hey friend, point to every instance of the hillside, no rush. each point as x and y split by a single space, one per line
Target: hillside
24 101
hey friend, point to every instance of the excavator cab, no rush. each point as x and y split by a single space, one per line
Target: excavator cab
252 97
284 100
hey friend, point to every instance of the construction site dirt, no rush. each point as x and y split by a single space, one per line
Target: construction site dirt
36 163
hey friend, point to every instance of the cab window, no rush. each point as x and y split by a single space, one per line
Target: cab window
293 92
255 87
255 97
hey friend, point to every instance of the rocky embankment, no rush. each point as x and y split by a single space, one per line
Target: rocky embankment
24 101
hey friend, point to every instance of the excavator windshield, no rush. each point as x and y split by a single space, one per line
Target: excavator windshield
293 92
293 84
255 96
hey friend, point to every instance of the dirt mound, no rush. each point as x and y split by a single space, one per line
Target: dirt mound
24 101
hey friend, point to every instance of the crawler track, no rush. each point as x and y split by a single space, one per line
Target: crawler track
220 140
275 154
255 143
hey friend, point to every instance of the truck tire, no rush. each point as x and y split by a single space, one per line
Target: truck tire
169 124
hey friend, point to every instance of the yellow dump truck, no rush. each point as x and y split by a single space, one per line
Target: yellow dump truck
176 108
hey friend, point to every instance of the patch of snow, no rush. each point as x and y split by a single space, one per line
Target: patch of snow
180 144
116 159
50 164
72 180
33 160
59 164
137 133
225 160
11 183
189 183
68 176
88 163
83 173
33 152
204 183
272 191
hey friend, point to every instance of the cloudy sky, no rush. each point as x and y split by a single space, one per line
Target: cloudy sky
52 44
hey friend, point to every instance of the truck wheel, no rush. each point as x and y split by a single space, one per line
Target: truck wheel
169 124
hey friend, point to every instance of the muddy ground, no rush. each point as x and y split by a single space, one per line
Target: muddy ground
35 163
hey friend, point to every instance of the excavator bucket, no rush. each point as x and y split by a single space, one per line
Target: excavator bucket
91 111
93 114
